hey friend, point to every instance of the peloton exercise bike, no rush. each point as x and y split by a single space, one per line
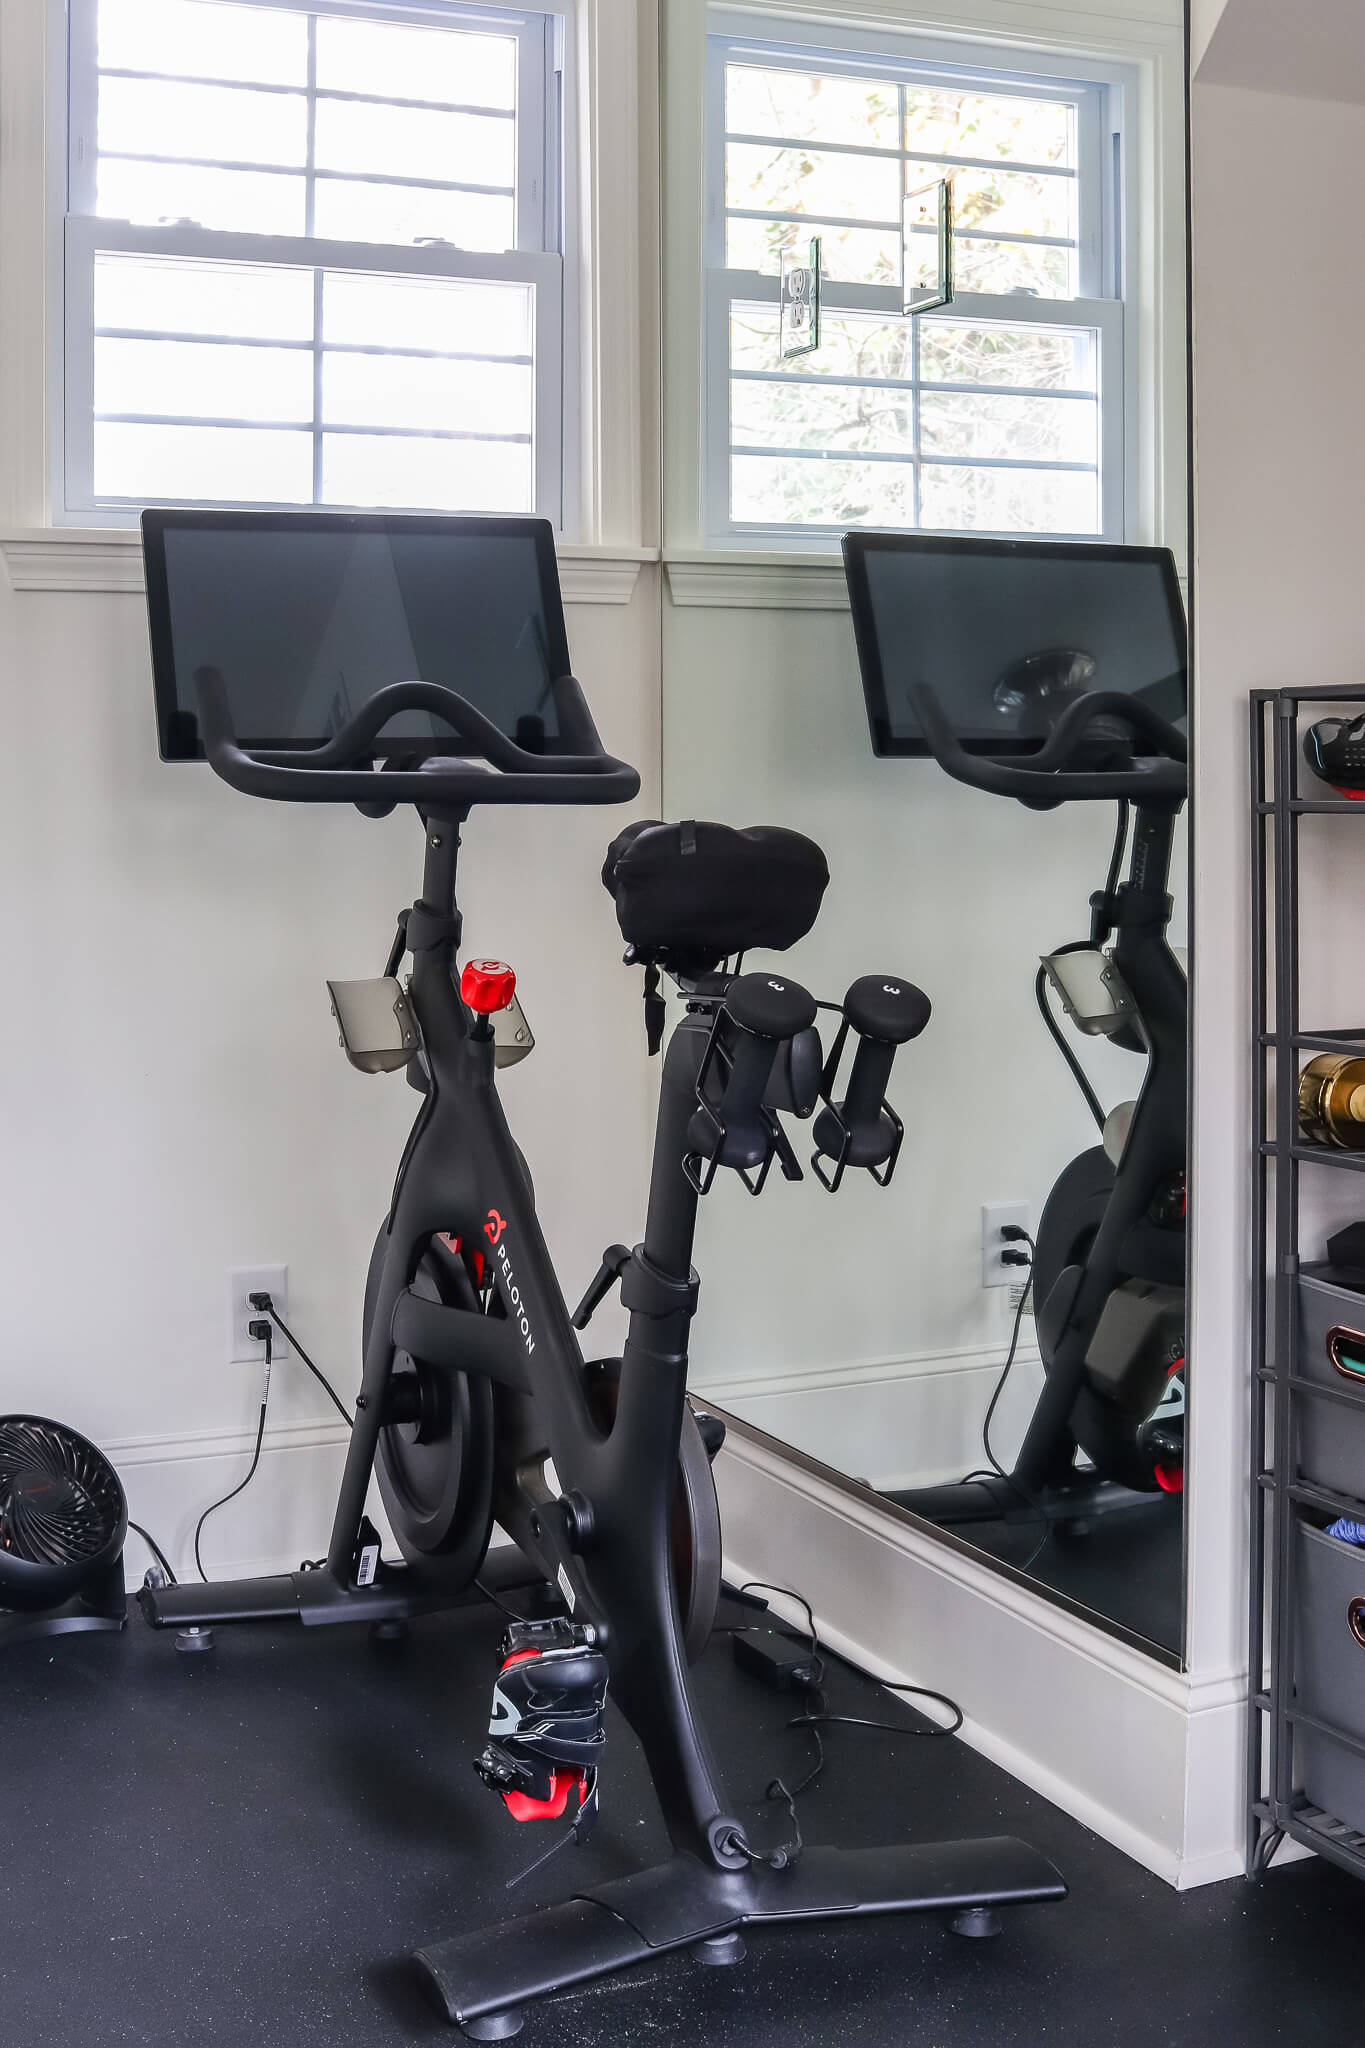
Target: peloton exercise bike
283 647
1055 672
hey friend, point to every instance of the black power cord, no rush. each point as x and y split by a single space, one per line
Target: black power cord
263 1305
259 1328
1015 1234
817 1715
1078 1073
157 1552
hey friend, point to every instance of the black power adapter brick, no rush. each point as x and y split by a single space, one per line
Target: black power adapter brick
781 1663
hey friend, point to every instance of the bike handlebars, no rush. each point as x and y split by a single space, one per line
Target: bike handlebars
1044 776
496 771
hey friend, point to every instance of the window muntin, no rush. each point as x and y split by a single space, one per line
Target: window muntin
329 271
979 418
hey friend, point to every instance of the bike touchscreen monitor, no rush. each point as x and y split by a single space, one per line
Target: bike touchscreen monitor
305 615
1009 632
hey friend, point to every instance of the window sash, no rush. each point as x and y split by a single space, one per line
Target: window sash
728 288
537 210
87 239
537 259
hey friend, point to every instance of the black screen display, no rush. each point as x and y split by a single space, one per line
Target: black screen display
306 615
1007 632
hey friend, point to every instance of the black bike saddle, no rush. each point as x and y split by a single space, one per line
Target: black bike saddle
702 892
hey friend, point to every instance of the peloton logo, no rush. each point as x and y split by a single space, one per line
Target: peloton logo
493 1231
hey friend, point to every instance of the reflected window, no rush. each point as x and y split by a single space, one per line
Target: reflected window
1003 413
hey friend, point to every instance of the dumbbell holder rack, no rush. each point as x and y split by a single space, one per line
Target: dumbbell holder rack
1275 1811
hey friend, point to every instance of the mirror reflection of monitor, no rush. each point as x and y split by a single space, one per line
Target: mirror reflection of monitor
1009 632
307 614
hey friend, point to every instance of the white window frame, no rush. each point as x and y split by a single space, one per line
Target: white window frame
544 213
1106 179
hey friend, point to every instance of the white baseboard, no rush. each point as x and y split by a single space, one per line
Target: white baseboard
284 1516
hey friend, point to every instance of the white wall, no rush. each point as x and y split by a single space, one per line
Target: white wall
172 1095
1312 53
1279 456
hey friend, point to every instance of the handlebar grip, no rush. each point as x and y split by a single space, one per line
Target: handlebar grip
495 771
1044 775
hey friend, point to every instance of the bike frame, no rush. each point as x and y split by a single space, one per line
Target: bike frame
605 1540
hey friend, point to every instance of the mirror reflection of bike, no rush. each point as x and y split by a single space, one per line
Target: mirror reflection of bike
935 623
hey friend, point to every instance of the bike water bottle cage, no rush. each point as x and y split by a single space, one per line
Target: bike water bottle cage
1063 770
1334 749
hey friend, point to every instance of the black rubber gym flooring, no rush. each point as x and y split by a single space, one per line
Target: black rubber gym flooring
244 1848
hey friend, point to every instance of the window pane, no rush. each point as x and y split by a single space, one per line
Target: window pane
1010 500
394 62
402 312
175 296
441 476
254 202
801 105
1046 429
849 346
848 255
812 181
1051 357
349 210
1006 202
812 415
1045 273
149 116
413 142
945 123
203 380
789 491
264 46
260 465
422 391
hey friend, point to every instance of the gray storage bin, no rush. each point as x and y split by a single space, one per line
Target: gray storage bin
1332 1435
1329 1671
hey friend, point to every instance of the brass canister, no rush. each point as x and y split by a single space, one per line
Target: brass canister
1332 1101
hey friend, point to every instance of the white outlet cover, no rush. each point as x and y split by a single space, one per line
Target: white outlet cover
244 1281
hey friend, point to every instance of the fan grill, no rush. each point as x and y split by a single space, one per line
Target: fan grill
59 1499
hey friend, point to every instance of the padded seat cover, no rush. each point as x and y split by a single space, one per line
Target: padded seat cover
704 891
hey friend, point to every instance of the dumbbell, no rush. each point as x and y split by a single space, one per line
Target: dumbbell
863 1130
761 1013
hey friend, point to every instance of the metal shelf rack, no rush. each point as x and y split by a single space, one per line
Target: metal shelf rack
1275 1810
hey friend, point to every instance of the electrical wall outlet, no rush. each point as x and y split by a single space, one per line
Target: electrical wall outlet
244 1281
994 1271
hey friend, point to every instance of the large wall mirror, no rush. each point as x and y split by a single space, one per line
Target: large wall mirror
993 1342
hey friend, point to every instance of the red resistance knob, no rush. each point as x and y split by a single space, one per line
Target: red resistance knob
487 985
